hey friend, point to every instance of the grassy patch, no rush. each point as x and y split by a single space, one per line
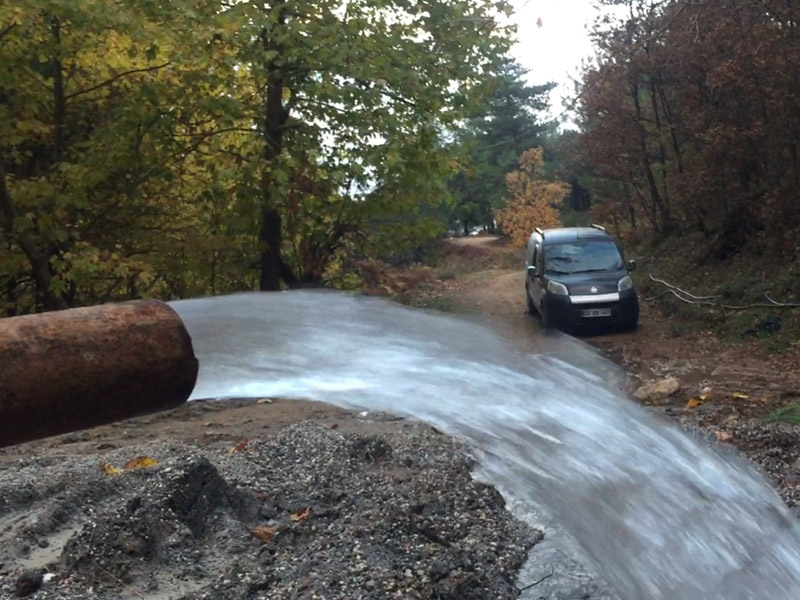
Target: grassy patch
786 414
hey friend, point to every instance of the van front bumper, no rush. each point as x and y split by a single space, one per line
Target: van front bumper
566 314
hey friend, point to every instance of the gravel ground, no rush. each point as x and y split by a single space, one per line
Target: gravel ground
311 511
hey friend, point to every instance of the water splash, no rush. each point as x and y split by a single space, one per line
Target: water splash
654 512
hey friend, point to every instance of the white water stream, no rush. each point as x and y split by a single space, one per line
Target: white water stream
656 513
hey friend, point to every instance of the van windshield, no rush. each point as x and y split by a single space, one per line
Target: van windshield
582 257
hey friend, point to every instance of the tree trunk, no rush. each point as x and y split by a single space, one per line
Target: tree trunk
59 99
275 118
655 196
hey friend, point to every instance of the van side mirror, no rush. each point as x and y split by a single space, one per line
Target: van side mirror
532 270
631 265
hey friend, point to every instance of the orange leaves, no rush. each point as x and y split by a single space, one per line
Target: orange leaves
532 201
694 403
301 515
264 532
240 446
140 462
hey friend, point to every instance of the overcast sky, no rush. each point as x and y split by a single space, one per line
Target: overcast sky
554 51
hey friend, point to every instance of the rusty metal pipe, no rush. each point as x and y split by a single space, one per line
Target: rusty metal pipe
74 369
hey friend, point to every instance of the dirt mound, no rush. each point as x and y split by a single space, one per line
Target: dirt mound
312 511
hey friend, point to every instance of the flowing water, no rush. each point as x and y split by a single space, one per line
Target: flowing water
657 514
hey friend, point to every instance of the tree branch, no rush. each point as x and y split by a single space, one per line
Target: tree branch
538 581
711 301
684 292
6 30
115 78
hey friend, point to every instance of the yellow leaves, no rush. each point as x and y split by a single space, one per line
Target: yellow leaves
32 127
740 396
264 532
301 515
532 201
110 469
696 401
140 462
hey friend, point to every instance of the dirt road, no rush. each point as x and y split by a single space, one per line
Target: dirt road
732 391
660 348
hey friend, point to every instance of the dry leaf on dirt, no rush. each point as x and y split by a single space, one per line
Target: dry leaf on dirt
301 515
740 396
240 446
264 532
140 462
723 436
110 469
694 402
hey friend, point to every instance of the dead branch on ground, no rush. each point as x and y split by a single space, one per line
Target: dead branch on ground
713 301
538 581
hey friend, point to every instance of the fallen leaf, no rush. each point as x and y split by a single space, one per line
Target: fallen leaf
703 397
140 462
740 396
301 515
240 446
110 469
723 436
694 402
765 399
264 532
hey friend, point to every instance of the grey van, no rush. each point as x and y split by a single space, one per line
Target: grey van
577 277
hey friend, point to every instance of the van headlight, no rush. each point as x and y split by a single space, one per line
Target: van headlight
556 288
625 284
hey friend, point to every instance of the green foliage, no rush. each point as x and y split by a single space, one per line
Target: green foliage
158 149
495 137
786 414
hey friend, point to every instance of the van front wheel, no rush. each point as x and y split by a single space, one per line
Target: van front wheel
547 322
531 306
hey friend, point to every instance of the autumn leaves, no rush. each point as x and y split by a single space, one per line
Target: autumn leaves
532 200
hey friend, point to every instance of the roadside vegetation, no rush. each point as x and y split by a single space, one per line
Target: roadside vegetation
187 149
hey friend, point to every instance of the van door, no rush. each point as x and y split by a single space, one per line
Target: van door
535 277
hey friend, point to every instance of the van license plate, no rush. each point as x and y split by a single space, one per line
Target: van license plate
596 312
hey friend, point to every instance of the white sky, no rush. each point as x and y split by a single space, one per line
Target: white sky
554 51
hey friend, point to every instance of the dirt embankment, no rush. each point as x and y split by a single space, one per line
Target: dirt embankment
271 499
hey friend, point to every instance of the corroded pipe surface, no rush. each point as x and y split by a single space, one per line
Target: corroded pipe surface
73 369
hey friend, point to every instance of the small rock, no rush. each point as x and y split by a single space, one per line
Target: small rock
723 436
790 480
27 584
658 390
